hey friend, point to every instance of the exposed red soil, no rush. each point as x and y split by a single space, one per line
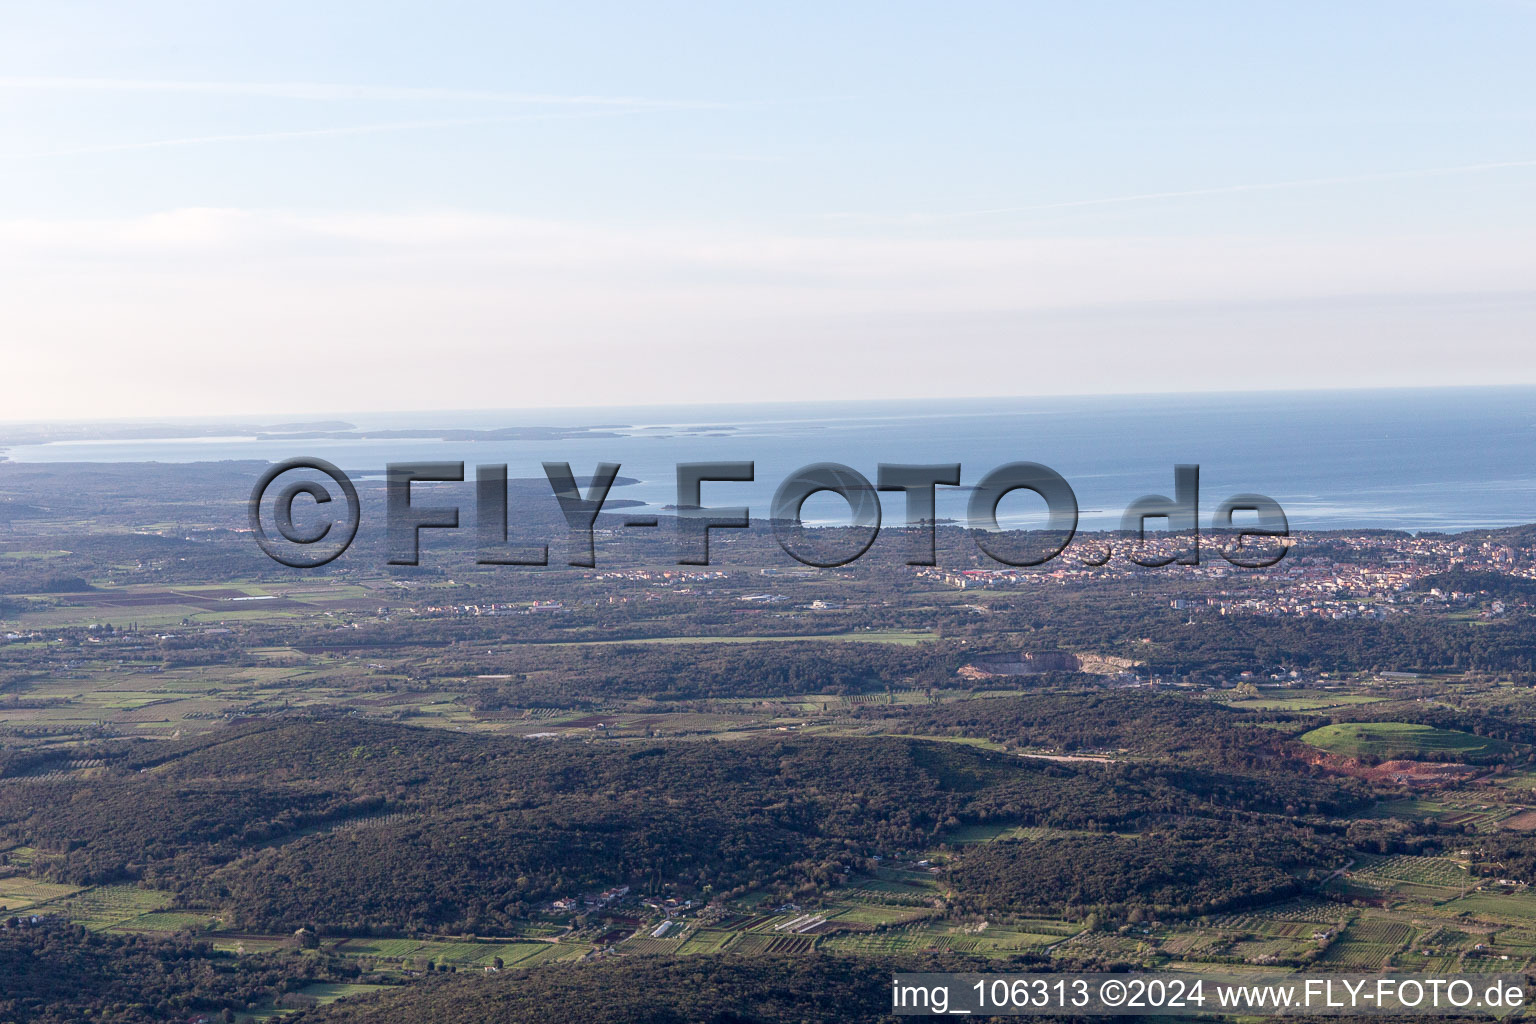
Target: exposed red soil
1418 774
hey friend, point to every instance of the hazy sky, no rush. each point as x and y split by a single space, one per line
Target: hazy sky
323 206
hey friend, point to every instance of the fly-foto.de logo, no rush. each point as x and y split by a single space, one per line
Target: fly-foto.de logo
306 512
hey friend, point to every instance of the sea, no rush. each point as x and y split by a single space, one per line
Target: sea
1412 459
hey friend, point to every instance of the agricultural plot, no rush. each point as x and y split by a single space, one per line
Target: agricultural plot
1398 739
153 606
240 943
1516 940
1278 934
937 936
167 921
789 921
979 833
706 940
1379 931
1006 832
1302 910
512 953
1414 961
461 953
805 924
1516 908
1265 950
1107 945
1487 964
1258 924
1045 926
758 942
1523 781
1035 833
1192 944
134 700
1430 878
898 888
18 856
1439 946
873 914
903 637
918 936
1522 820
323 992
561 951
107 906
936 944
1350 955
872 942
1483 818
1007 940
1318 702
388 949
1408 809
644 945
27 894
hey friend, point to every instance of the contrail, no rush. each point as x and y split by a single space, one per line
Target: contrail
327 91
362 129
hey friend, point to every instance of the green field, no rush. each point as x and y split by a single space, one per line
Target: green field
167 921
462 953
1398 739
1318 702
330 991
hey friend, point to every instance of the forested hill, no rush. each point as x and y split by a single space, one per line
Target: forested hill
705 989
357 827
1167 726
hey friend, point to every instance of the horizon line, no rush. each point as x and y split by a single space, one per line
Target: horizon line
191 418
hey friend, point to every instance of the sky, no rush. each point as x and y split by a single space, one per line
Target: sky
300 208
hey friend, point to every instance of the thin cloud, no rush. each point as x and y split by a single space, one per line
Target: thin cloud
311 133
1264 186
328 91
